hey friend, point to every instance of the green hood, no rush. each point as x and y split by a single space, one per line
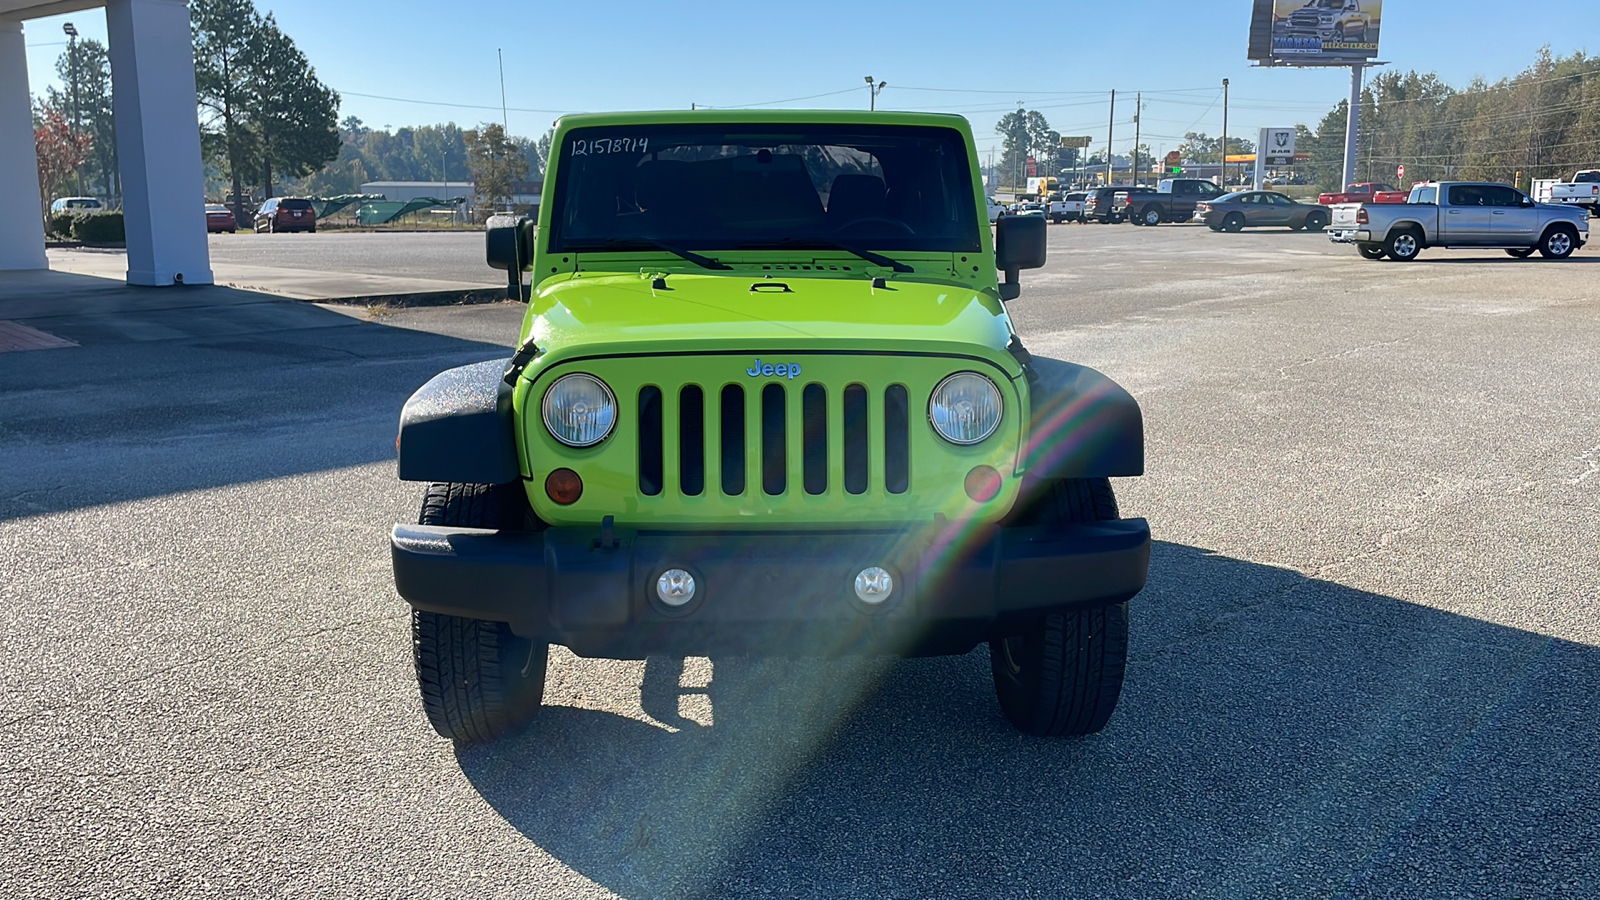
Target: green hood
625 313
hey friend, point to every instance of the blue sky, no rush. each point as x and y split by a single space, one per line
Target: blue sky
956 57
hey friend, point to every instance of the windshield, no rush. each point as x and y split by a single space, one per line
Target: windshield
732 187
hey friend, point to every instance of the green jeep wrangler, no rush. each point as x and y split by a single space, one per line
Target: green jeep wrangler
767 400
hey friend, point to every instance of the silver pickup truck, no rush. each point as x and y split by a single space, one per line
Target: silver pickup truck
1458 214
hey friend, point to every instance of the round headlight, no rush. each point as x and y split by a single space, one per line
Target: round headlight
579 410
965 408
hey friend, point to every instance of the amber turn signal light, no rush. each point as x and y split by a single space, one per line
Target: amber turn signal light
563 486
982 484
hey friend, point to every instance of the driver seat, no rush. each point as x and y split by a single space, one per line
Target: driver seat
855 197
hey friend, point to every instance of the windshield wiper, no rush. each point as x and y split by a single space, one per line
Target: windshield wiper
877 259
704 262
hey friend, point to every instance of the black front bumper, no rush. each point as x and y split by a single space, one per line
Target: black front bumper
955 586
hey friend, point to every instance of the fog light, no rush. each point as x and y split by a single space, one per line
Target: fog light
874 585
563 486
675 587
982 484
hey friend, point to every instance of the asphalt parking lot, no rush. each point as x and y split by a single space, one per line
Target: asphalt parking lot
1364 666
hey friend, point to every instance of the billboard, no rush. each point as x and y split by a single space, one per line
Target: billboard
1314 32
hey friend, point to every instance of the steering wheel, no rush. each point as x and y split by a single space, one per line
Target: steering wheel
880 220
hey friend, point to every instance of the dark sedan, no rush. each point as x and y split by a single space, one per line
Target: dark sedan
1234 211
220 218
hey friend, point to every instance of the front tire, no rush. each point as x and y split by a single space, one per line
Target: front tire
1062 675
477 679
1558 243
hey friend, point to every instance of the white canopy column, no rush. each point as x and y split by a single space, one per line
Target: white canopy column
22 223
158 141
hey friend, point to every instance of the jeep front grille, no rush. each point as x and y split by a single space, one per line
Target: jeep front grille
725 423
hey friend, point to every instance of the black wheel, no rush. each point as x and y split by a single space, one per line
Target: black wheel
1056 220
1403 245
1520 252
478 680
1371 251
1150 215
1233 223
1062 675
1558 243
1316 221
1116 219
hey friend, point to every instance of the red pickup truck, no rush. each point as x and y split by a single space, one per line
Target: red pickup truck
1364 192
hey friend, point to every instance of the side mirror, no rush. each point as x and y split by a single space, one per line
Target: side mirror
506 247
1019 243
1527 202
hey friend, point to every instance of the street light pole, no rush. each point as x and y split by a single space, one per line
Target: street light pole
1223 168
874 89
72 68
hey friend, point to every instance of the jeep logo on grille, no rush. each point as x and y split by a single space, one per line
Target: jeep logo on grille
790 371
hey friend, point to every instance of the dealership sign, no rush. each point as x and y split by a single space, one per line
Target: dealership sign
1314 32
1276 146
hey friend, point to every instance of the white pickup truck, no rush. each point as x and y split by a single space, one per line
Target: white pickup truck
1067 208
1459 214
1583 190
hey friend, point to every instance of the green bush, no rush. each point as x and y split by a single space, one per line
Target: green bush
98 228
61 224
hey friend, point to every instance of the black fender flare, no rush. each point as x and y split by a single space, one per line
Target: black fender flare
1081 424
459 427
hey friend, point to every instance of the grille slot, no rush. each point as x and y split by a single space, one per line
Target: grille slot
774 434
692 440
650 457
733 440
896 439
855 439
814 438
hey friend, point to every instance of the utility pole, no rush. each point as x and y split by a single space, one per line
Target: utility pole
1111 127
1138 105
1224 167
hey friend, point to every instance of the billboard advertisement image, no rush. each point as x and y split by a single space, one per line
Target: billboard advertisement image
1315 32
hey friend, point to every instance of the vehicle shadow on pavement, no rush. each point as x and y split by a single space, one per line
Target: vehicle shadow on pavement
1278 736
181 389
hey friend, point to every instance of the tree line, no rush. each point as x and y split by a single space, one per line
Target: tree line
1543 122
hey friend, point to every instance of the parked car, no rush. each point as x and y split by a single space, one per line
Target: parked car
1175 200
996 210
1363 192
220 218
1457 214
286 214
1099 203
1241 209
1029 209
1067 209
76 204
1583 190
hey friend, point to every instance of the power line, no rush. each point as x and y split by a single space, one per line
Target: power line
454 105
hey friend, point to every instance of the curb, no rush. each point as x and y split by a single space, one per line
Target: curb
423 298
